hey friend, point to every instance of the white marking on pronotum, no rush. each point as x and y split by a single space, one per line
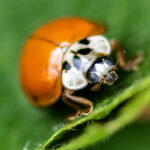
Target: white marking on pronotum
99 44
74 79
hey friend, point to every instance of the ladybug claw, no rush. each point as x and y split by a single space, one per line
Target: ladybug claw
74 116
79 113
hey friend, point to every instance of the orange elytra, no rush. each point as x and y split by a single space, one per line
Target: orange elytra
41 59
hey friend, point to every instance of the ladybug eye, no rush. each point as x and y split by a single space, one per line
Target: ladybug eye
93 78
111 78
91 75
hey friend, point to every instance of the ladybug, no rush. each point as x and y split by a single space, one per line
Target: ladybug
67 55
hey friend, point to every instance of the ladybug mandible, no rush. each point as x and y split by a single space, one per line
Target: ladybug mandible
67 55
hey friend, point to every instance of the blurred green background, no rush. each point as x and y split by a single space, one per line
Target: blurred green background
22 125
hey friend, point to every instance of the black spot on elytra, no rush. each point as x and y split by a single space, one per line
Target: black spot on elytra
84 51
77 61
92 77
66 66
35 98
84 41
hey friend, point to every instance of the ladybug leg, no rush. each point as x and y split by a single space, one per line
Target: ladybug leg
73 106
97 86
67 95
70 103
124 63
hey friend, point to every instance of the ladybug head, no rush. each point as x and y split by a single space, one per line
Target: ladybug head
102 70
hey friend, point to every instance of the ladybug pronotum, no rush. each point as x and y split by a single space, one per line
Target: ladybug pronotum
67 55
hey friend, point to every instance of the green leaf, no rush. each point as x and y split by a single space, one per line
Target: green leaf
130 112
100 130
28 127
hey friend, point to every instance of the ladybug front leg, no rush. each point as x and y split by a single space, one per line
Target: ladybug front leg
71 101
97 86
73 106
126 64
